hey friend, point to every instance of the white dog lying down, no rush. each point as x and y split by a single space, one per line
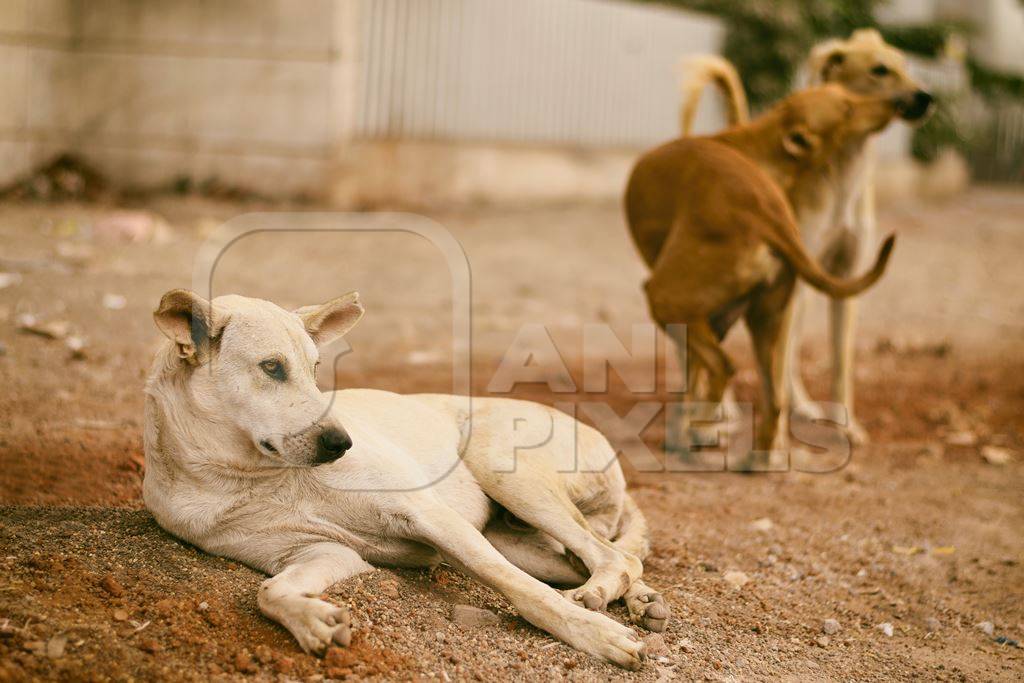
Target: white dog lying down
248 459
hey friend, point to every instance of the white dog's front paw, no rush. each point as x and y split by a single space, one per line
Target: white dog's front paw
591 599
316 624
806 410
597 635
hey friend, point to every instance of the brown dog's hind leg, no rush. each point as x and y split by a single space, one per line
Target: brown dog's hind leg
708 371
767 320
705 353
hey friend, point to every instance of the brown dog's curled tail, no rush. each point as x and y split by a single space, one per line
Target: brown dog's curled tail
711 69
837 288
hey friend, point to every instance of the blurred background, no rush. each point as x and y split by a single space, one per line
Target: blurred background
370 102
133 130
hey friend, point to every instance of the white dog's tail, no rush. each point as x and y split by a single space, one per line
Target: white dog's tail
633 536
705 69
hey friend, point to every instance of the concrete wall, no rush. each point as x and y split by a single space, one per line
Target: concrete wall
255 93
365 102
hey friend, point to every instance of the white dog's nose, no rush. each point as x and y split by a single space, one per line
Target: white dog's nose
331 445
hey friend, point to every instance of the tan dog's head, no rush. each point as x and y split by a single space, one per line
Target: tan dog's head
249 365
867 65
818 122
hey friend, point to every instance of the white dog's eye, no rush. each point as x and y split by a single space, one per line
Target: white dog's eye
274 369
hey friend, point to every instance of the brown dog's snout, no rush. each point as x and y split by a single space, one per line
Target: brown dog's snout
914 106
331 445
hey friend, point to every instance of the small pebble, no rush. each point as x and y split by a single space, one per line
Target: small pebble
149 645
244 663
284 665
886 628
994 455
736 579
963 438
55 646
467 615
114 302
120 615
656 644
823 641
33 645
932 624
830 627
987 627
112 586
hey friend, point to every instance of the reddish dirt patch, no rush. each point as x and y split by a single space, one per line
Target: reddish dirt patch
917 531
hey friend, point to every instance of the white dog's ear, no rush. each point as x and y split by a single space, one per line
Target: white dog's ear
824 59
189 321
326 322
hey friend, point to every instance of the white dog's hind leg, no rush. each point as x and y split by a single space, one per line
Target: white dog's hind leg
647 608
541 605
536 553
539 502
291 597
800 402
842 313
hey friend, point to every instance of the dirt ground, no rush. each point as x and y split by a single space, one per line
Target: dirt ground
919 530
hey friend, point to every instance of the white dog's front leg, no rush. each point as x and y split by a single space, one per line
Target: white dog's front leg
538 603
843 312
800 401
291 598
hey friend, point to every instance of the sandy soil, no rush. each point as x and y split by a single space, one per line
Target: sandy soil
918 531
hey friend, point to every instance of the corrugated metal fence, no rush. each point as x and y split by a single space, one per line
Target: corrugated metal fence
585 72
996 152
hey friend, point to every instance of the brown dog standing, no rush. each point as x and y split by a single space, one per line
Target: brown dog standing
717 230
838 218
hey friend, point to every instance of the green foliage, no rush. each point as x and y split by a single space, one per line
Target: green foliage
944 129
926 40
767 40
992 84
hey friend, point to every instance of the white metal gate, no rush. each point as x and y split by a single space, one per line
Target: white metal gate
585 72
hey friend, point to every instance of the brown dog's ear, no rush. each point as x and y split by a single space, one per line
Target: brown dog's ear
799 143
189 321
326 322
